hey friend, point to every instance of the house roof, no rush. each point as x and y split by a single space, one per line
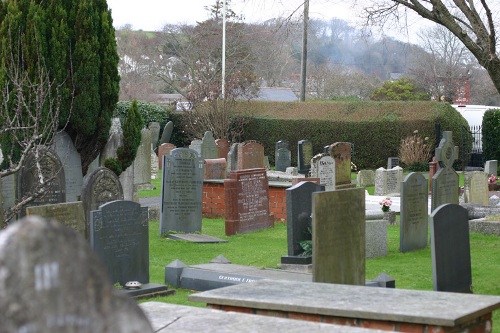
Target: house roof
276 95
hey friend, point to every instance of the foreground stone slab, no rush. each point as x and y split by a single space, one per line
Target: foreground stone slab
357 305
179 318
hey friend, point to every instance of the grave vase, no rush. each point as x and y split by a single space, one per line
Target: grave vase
390 216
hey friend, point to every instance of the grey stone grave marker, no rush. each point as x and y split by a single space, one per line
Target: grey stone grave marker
232 159
69 213
114 141
342 152
9 191
282 156
323 167
208 147
72 163
196 146
305 154
298 220
167 133
388 182
52 282
47 167
142 161
181 192
339 236
392 162
476 188
414 213
365 178
376 238
450 249
491 167
445 181
119 235
154 127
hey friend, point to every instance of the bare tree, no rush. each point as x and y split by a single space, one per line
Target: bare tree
472 22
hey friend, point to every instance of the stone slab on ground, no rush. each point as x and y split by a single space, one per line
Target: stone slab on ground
180 318
196 238
148 290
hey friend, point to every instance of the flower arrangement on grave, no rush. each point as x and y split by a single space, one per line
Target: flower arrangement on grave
492 179
386 204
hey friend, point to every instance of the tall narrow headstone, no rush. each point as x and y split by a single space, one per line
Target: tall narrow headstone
250 155
323 167
341 152
232 159
222 147
445 181
247 201
414 213
299 220
450 249
52 282
119 235
142 161
476 188
181 192
305 153
42 166
282 156
208 146
114 141
339 236
154 127
72 163
9 191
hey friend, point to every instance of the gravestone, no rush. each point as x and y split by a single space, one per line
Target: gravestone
305 154
232 159
376 238
250 155
476 188
222 147
365 178
215 168
154 165
167 133
339 236
282 156
119 235
414 213
323 167
164 149
72 163
47 167
127 181
392 162
450 249
247 201
208 147
154 128
115 140
445 181
52 282
9 191
341 152
196 146
181 192
388 182
491 167
70 214
99 187
298 220
142 161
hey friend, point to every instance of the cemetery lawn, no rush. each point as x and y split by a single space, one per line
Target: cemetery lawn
264 248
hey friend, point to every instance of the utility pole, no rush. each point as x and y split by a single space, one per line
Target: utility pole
303 63
223 89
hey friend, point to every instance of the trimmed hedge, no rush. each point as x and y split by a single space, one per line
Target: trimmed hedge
491 135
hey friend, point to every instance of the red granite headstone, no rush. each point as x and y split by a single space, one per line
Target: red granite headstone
250 155
215 168
222 147
247 201
164 149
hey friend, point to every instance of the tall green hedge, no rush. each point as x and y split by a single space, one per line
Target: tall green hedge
491 135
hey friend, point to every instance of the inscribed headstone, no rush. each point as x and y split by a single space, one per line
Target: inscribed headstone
414 213
392 162
142 161
181 192
247 201
164 149
339 236
222 147
167 133
282 156
305 153
298 215
70 214
72 163
119 235
208 146
42 168
365 178
250 155
323 167
445 181
215 168
52 282
476 188
341 152
491 167
388 181
450 249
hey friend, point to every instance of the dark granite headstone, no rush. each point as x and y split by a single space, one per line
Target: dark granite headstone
52 282
47 167
119 235
305 154
450 248
414 213
282 156
70 214
339 236
392 162
247 202
181 192
445 181
72 163
299 220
